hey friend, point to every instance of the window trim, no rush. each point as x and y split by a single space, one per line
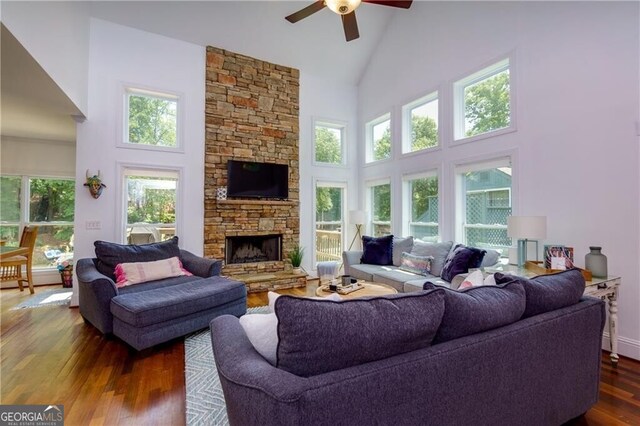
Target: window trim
505 62
369 138
332 124
406 198
406 122
123 124
121 195
326 183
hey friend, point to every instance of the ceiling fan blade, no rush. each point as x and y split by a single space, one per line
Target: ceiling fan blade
350 26
307 11
400 3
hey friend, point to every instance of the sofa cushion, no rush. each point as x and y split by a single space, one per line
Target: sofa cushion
439 251
460 260
420 265
490 258
478 309
140 272
164 304
365 272
110 254
418 284
401 245
377 250
153 285
317 337
396 277
546 293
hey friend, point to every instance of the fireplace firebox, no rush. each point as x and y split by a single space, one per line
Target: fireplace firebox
253 248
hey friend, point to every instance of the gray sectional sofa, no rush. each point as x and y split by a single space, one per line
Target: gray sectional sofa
525 352
401 280
153 312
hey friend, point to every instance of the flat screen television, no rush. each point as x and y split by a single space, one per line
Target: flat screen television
257 180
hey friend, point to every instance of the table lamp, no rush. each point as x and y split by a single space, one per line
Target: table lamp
525 229
358 218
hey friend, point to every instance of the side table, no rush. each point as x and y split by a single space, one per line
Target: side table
607 289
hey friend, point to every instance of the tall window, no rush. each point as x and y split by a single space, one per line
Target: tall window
46 202
329 143
420 124
482 101
484 203
329 221
380 207
422 209
151 199
378 137
151 119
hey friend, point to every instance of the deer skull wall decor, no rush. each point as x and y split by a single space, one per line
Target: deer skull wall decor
95 185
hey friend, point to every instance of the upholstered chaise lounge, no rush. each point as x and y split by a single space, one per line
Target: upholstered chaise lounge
149 313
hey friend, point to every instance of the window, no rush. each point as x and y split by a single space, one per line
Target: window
420 124
151 119
329 143
151 198
378 137
483 101
380 206
422 210
329 221
46 202
483 204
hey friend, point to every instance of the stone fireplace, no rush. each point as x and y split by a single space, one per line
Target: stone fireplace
253 248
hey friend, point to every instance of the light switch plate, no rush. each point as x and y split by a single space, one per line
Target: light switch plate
93 224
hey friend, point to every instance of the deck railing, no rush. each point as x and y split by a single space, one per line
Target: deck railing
328 245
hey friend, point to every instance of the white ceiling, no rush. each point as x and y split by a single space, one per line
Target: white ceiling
33 106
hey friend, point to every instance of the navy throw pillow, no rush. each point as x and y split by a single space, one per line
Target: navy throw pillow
377 251
460 260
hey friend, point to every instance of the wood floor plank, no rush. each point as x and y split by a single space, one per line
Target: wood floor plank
49 355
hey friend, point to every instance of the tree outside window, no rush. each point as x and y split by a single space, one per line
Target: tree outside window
487 105
381 209
152 120
423 222
379 135
420 124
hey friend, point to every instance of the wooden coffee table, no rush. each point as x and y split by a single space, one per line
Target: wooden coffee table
370 289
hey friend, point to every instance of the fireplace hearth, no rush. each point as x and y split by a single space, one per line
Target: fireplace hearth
253 248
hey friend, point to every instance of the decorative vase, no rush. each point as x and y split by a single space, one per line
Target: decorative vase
596 262
66 276
221 193
297 270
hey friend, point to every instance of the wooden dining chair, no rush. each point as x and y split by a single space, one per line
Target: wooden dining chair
11 267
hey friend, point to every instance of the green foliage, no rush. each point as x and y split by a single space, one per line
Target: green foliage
51 200
421 191
152 121
295 256
487 104
328 204
424 133
328 146
10 198
148 204
381 202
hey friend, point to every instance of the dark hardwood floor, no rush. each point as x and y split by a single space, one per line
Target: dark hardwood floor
50 356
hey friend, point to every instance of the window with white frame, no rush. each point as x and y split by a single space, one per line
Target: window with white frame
379 202
329 142
42 201
422 206
378 138
151 119
151 198
329 221
420 124
483 101
483 203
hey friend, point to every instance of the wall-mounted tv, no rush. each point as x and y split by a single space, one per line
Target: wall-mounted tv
257 180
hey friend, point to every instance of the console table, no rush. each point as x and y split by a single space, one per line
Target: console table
603 288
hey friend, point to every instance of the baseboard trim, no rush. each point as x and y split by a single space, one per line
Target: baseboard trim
627 347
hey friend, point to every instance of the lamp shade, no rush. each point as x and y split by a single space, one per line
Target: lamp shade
358 217
527 227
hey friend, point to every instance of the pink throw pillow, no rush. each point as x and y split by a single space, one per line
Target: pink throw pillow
140 272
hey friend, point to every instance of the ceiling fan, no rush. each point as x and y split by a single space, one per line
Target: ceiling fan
346 10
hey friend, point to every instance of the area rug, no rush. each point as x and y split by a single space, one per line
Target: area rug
205 401
58 296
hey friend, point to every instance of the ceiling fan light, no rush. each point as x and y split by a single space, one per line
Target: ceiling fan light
342 7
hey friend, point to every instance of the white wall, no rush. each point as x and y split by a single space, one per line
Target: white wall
321 99
575 148
123 55
56 34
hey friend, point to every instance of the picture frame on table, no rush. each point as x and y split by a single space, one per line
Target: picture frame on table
558 257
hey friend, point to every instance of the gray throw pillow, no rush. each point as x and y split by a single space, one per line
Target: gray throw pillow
110 254
401 245
546 293
490 258
439 251
316 337
478 309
